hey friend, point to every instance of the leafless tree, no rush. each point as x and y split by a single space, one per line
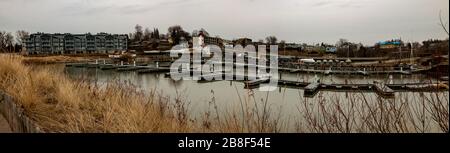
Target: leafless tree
9 39
2 41
271 40
6 41
174 29
176 32
138 34
147 34
21 35
342 42
155 33
442 24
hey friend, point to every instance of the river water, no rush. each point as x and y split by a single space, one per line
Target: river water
229 96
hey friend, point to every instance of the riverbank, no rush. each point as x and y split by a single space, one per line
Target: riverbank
60 104
60 59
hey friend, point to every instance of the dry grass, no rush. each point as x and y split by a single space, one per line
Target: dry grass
57 59
406 113
60 104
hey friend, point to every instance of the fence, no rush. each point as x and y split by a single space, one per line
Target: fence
14 114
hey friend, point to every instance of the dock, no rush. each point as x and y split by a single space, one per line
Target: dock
302 69
356 72
292 84
139 68
153 70
107 67
131 68
211 77
249 84
224 76
76 64
384 90
311 89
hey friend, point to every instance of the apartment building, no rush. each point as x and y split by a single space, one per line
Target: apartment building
45 43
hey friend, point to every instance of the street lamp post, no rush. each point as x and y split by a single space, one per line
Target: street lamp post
348 51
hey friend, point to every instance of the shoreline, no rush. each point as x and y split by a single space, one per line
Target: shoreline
121 107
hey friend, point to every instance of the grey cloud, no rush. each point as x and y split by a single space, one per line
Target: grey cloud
135 9
322 3
79 10
351 4
338 3
290 20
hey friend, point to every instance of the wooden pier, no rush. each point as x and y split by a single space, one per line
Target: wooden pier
109 67
153 70
140 68
384 90
131 68
222 75
256 82
356 72
311 89
352 70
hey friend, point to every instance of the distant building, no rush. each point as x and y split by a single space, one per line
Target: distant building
310 48
44 43
390 44
435 47
242 41
213 41
330 49
227 42
206 40
293 46
164 44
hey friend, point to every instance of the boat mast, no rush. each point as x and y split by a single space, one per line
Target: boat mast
400 50
412 53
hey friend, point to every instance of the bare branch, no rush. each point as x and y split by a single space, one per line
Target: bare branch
444 26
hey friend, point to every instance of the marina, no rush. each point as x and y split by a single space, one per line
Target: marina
310 88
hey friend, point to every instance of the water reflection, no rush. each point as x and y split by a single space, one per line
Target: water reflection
199 93
287 103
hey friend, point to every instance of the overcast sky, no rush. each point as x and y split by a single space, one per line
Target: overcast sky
300 21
